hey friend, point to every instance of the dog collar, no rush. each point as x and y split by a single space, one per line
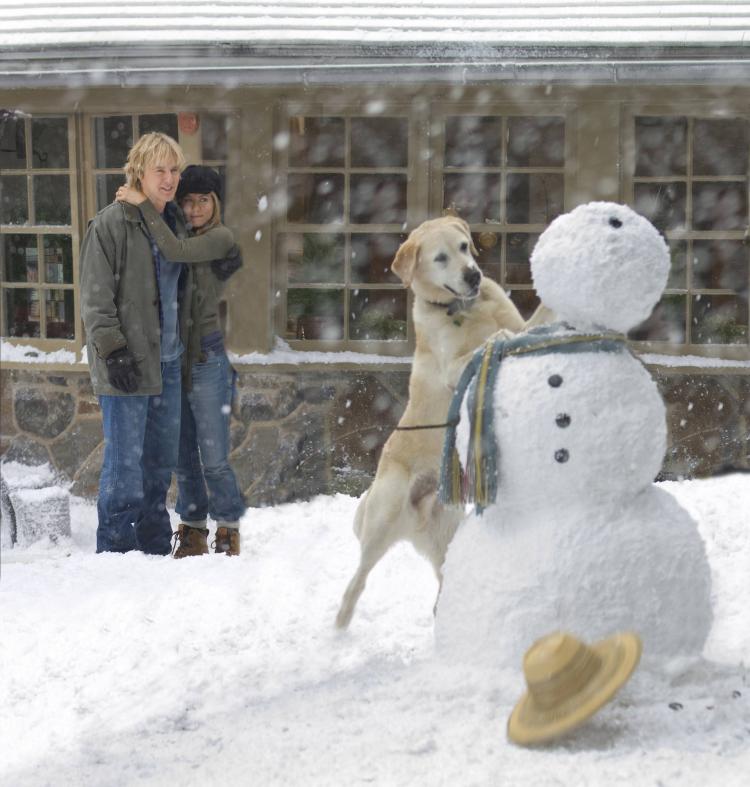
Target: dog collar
455 306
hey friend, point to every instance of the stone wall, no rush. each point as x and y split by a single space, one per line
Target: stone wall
298 432
294 433
708 420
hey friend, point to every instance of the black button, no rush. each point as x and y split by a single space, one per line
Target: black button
562 455
555 381
562 420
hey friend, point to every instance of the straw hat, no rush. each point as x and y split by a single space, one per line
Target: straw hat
568 681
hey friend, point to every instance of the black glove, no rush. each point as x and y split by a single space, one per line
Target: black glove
223 269
123 371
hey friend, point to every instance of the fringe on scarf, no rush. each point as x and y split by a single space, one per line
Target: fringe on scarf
478 483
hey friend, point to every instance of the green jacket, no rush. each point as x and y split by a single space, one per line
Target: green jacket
205 289
119 294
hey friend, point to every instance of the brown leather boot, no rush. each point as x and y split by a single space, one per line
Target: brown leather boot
190 541
227 541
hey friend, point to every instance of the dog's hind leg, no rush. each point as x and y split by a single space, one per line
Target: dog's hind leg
372 551
375 524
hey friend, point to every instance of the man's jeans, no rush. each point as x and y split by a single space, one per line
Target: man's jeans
141 438
204 445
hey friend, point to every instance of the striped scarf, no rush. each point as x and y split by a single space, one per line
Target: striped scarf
477 482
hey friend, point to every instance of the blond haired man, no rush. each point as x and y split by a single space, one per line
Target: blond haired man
135 308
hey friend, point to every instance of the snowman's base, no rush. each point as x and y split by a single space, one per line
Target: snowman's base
511 577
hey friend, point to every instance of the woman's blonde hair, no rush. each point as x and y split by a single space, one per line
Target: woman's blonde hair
215 218
151 148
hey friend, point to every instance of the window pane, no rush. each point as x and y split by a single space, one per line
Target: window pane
475 198
720 146
316 142
719 319
536 142
526 301
58 259
59 311
378 199
518 254
14 207
488 248
473 141
721 265
378 314
315 199
21 258
49 143
534 199
380 142
315 314
52 199
719 206
663 204
678 268
21 313
214 137
113 138
660 146
666 323
12 143
106 188
166 123
313 257
372 256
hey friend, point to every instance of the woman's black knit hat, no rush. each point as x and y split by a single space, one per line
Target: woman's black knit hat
197 179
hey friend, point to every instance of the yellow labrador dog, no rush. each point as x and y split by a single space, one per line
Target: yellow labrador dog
455 310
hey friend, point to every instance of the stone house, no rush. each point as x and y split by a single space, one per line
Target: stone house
338 131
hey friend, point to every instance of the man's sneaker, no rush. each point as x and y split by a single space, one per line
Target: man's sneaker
227 541
189 541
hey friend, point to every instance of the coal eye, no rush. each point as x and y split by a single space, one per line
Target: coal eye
464 246
442 257
615 222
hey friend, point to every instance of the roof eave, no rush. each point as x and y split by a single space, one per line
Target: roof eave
321 63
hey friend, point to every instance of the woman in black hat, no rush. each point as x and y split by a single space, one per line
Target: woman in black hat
205 479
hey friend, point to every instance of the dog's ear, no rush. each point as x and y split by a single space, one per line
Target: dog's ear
405 260
463 226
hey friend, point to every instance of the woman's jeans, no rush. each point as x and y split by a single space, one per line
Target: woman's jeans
141 439
205 481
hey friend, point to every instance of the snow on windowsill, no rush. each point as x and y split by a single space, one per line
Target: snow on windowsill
26 353
657 359
282 353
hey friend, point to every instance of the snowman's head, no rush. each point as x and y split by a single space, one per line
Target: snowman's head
600 265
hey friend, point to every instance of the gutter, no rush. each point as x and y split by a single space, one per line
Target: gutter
235 66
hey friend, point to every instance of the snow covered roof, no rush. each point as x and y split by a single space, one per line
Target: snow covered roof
511 22
240 35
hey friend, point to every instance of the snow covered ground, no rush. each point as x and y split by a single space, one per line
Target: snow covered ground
124 670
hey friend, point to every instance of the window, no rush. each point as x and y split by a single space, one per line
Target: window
690 178
344 213
505 175
38 231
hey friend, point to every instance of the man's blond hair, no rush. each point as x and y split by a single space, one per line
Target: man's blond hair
152 148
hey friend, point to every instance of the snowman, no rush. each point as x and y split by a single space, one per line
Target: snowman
562 431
